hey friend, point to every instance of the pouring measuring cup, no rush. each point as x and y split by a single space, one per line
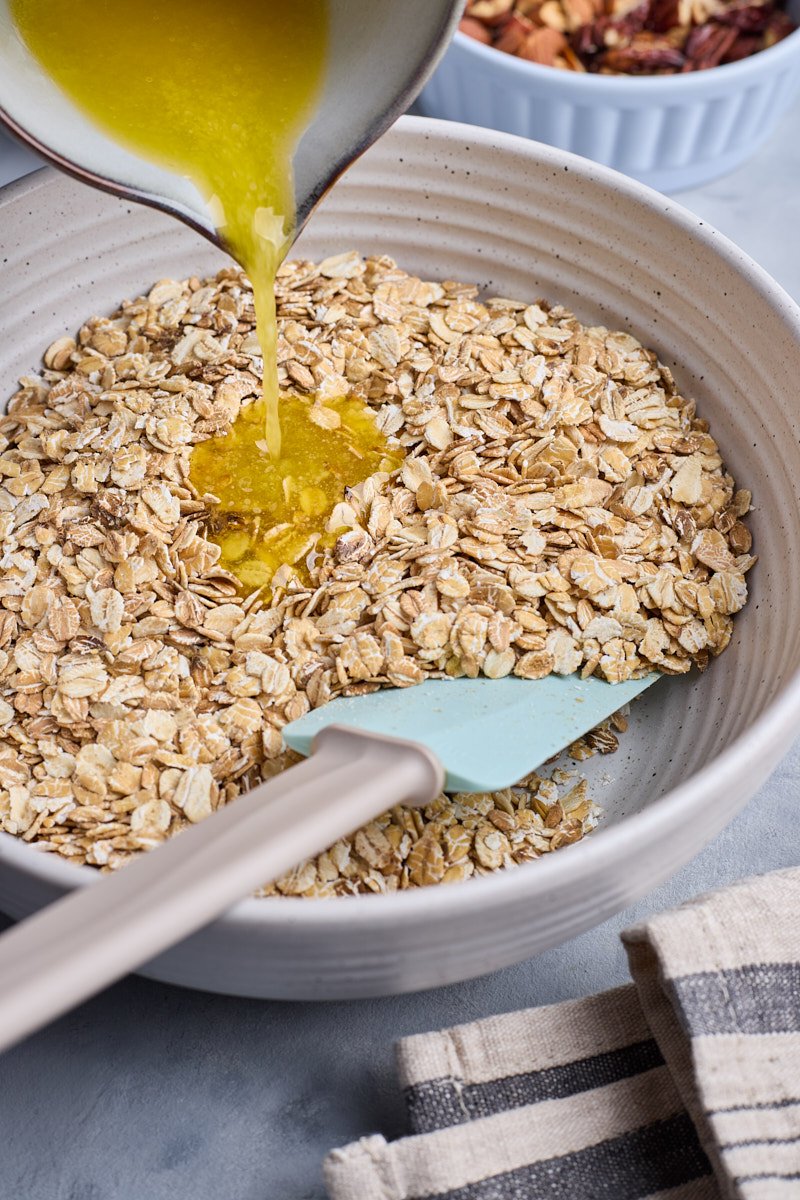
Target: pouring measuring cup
380 55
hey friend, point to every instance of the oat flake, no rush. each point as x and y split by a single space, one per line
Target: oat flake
560 508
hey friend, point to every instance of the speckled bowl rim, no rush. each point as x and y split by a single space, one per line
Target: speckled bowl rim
618 87
606 849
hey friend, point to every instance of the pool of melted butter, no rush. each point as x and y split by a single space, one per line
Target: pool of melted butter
271 511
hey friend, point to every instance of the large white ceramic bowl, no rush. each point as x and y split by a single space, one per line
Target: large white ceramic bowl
526 221
669 131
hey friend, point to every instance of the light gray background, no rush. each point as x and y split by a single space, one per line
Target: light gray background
154 1093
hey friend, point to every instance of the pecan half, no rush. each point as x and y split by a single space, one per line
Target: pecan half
644 56
745 45
663 15
708 45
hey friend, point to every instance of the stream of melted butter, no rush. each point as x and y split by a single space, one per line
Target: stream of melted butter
219 90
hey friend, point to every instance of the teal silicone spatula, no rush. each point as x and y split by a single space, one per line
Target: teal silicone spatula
486 733
366 755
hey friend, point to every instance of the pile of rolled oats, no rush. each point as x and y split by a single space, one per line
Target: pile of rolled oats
560 508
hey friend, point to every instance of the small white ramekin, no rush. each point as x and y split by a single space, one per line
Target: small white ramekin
669 131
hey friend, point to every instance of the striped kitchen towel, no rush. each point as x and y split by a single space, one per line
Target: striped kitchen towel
682 1086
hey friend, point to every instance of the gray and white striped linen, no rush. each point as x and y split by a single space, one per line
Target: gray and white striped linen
683 1086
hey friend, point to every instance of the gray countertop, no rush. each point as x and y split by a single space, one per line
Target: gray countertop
150 1092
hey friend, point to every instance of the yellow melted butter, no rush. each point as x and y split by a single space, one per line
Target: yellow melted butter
219 90
275 511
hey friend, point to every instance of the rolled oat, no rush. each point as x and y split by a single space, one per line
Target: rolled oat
560 508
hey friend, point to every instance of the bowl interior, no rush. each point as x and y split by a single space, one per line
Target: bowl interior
521 220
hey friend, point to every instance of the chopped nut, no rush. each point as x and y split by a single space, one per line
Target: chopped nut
656 37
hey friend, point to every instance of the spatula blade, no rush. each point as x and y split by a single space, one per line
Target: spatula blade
487 733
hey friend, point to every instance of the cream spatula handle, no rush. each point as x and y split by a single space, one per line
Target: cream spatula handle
78 945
